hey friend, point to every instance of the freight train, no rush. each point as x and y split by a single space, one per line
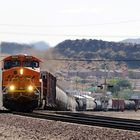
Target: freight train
25 88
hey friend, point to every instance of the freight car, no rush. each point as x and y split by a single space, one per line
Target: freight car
81 103
116 105
48 90
87 103
98 105
129 105
90 103
24 86
137 103
65 101
121 105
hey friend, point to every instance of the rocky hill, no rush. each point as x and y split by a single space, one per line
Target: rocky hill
98 49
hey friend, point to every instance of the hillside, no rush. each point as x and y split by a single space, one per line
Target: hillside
78 49
15 48
133 41
41 45
98 49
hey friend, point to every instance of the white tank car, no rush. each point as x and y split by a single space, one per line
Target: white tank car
61 99
71 104
109 106
129 104
65 101
90 102
98 105
132 104
81 103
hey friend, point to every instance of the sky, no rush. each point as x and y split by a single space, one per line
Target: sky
53 21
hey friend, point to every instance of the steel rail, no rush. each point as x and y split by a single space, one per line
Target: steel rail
81 119
5 111
83 114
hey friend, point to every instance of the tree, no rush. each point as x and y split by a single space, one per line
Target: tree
118 86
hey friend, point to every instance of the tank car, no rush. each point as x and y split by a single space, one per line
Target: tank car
81 103
137 103
90 102
98 105
64 101
21 82
129 104
104 103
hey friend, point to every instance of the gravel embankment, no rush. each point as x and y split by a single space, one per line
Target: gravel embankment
14 127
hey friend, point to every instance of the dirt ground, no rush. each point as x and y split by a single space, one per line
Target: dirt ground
14 127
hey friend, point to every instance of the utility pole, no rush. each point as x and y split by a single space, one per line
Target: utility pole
76 81
105 79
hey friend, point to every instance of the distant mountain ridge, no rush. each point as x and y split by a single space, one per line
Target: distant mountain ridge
133 41
41 45
15 48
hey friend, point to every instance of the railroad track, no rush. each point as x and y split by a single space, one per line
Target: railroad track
79 118
5 111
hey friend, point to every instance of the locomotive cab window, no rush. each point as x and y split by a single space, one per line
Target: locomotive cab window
32 64
35 64
9 64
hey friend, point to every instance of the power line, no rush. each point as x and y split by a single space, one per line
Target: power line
75 59
94 59
91 60
101 60
76 25
68 35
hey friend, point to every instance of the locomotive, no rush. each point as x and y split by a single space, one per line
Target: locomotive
24 86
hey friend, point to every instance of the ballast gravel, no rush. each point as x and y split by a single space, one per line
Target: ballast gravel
14 127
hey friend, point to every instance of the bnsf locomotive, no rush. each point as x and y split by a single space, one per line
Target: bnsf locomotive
24 87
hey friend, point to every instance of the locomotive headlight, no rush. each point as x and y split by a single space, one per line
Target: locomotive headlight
11 88
21 71
30 88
